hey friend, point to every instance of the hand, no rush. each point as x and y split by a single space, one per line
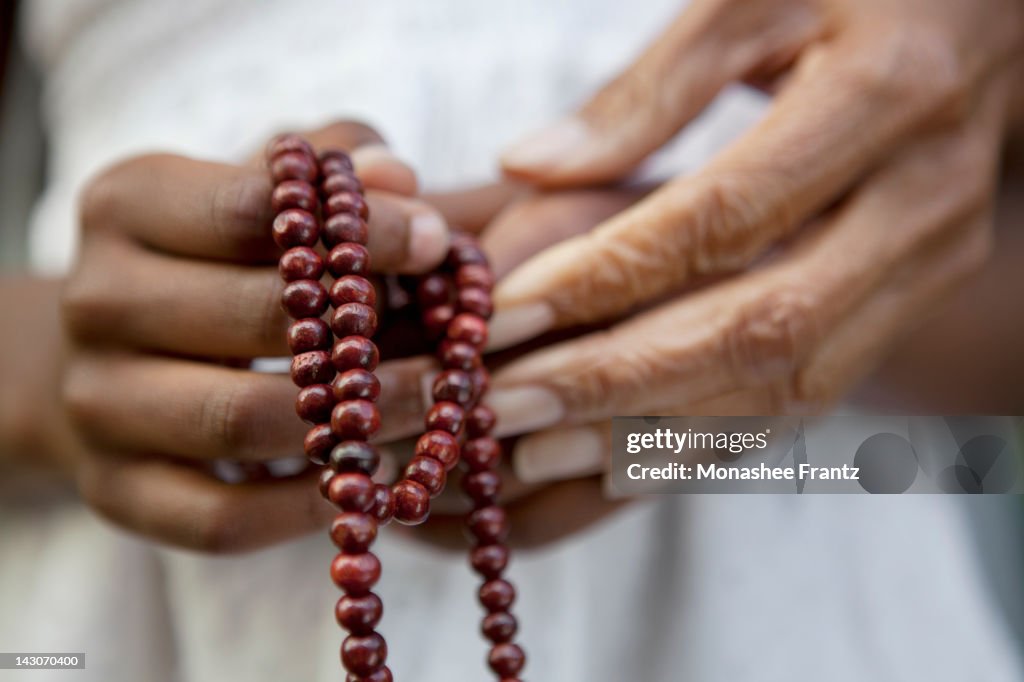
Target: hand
874 171
177 272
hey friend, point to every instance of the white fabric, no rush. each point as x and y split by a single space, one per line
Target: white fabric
716 588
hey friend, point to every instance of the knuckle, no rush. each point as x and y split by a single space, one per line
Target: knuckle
79 398
724 220
100 198
239 207
771 337
228 418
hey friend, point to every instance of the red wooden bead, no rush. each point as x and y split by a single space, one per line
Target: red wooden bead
382 675
293 166
499 627
355 455
318 443
428 472
356 383
300 262
482 487
506 659
479 276
304 298
359 615
383 504
489 561
412 502
353 533
480 378
480 421
308 334
364 654
355 420
354 352
497 595
353 289
453 385
433 290
346 202
481 454
288 142
354 319
445 416
345 227
348 258
437 319
324 482
464 250
293 194
310 368
335 161
295 227
458 355
351 491
355 573
314 403
489 525
440 445
341 182
475 300
469 328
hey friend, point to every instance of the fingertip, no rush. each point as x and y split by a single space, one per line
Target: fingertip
429 238
549 152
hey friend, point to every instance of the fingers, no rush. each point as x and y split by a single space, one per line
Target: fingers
709 45
474 208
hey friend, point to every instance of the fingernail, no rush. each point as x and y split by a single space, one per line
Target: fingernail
512 325
559 454
372 154
428 241
524 408
547 148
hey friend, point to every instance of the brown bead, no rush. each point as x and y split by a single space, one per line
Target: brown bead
470 328
476 275
295 227
489 525
353 289
433 290
437 319
481 380
499 627
355 420
445 416
412 502
382 675
356 384
364 654
336 161
475 300
506 659
288 142
314 403
481 454
464 250
323 483
346 202
480 421
428 472
383 508
341 182
308 334
318 444
293 194
353 532
345 227
348 258
497 595
355 573
355 455
300 262
354 319
311 368
359 615
453 385
489 561
354 352
458 355
304 298
482 487
440 445
293 166
351 492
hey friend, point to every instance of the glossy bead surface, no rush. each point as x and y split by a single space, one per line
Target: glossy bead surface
428 472
440 445
469 328
345 227
354 319
437 319
383 508
336 161
458 355
465 251
314 403
499 627
482 487
353 532
480 421
481 454
341 182
445 416
318 443
310 368
355 420
355 384
348 258
323 482
364 654
433 290
359 615
480 378
355 573
354 352
304 298
352 289
474 275
300 262
506 659
293 166
356 456
476 301
497 595
412 502
288 142
351 492
382 675
488 525
489 561
308 334
295 227
453 385
346 202
293 194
